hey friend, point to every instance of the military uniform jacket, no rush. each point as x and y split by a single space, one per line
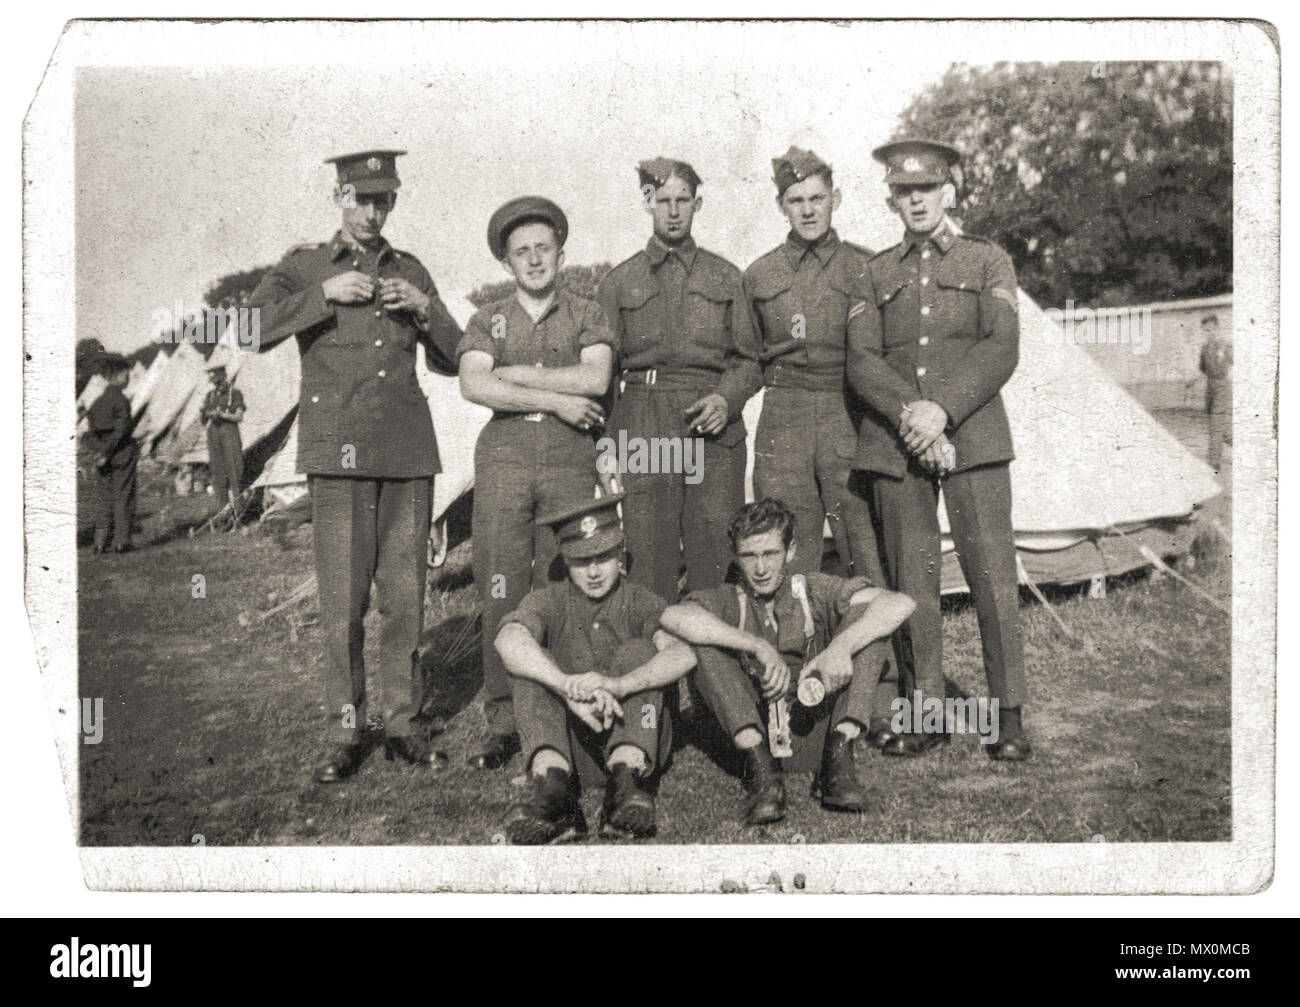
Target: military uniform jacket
801 296
683 313
359 389
109 420
580 634
938 320
224 398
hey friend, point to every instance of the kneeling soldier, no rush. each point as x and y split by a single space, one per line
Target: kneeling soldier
833 631
588 663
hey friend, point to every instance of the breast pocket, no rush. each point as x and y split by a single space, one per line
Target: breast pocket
899 323
641 309
707 314
958 305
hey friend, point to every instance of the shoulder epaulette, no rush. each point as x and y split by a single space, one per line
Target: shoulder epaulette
306 246
883 252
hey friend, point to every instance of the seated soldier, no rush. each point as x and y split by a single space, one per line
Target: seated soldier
575 650
834 632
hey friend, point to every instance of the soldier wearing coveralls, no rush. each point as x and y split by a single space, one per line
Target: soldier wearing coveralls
588 663
801 292
223 408
541 359
358 308
933 340
689 364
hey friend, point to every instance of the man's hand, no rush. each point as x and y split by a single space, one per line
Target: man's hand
607 477
349 288
939 459
579 411
598 713
707 415
402 295
835 665
585 686
774 678
921 424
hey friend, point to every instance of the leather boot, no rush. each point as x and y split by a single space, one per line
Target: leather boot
547 812
765 785
838 785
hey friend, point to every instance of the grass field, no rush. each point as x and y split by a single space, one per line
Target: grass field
211 728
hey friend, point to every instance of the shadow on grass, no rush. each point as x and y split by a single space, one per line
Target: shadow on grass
451 667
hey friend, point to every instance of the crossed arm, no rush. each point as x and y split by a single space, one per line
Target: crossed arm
561 391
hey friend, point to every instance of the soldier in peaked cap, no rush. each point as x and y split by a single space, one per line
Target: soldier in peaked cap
541 360
358 308
222 412
589 663
800 294
932 340
689 364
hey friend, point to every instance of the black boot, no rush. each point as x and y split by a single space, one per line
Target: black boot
548 811
879 734
496 753
343 761
629 808
838 785
1012 744
417 751
765 785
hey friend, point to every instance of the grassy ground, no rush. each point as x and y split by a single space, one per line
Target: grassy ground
212 727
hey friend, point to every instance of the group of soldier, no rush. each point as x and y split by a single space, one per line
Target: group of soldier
604 586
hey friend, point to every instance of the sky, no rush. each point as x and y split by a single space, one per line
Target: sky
185 173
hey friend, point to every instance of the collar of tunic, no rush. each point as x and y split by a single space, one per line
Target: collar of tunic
658 252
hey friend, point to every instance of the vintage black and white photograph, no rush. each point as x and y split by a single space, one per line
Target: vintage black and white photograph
644 456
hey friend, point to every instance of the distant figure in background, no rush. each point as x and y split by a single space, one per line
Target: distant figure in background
115 457
223 410
1216 365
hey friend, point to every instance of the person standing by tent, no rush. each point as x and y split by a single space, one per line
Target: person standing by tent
222 412
541 359
114 457
932 341
358 308
1216 365
689 364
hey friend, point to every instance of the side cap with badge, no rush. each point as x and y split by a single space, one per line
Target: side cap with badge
917 161
368 171
588 528
794 166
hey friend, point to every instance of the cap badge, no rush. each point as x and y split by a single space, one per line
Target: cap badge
374 164
911 164
588 526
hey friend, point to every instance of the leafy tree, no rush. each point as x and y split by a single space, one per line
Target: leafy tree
581 280
233 288
1108 183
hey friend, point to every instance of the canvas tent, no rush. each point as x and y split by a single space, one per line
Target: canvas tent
176 386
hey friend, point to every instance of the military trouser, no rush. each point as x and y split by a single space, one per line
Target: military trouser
546 722
364 530
115 501
803 456
736 700
671 516
225 460
1218 403
979 513
522 470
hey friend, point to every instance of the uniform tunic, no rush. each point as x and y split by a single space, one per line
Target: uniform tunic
1216 365
365 439
808 433
225 450
735 696
525 464
612 636
109 420
685 331
938 320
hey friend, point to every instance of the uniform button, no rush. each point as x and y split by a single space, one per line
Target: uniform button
924 340
925 254
595 625
379 314
920 372
355 263
383 374
925 280
379 342
925 310
315 398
